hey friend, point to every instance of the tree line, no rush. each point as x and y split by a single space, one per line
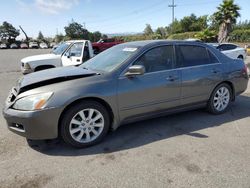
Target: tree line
74 30
221 26
218 27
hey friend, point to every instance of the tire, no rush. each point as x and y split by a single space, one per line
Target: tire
81 129
96 51
220 99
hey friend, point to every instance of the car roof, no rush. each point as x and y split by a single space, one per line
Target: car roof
76 41
159 42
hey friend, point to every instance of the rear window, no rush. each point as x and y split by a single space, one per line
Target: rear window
191 55
224 47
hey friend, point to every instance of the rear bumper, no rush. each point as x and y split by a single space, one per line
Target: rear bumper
36 125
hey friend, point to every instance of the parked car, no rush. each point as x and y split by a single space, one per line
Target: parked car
215 45
3 46
52 44
13 46
126 83
232 50
33 45
43 45
69 53
104 44
24 46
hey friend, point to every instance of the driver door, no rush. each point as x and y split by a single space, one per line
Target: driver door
74 55
157 90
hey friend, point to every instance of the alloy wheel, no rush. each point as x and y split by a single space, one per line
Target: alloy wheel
221 99
86 125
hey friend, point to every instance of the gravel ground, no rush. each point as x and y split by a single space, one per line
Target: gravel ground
191 149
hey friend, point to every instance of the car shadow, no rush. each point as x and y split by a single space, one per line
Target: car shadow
145 132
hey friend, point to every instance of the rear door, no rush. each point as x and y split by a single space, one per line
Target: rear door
156 90
201 71
74 55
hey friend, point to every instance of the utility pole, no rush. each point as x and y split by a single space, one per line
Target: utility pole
84 25
173 5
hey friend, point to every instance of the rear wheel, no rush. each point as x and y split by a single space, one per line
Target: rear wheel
220 99
85 124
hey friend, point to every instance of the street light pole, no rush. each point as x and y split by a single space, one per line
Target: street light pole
173 5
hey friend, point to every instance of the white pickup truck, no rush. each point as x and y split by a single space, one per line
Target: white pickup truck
69 53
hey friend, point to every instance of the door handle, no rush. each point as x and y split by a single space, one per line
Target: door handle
172 78
215 71
78 60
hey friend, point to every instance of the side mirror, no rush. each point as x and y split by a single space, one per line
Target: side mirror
67 54
135 70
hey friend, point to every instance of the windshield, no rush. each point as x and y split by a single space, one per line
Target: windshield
60 49
110 59
99 41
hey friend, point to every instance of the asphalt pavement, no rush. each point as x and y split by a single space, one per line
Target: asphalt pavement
191 149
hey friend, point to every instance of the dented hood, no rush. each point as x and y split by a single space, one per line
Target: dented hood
51 76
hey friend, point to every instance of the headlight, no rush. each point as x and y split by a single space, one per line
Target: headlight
32 102
26 66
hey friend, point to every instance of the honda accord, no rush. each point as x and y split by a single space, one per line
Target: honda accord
126 83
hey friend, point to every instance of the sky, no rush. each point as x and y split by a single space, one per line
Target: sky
106 16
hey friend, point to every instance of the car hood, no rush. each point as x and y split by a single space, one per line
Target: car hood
96 44
40 57
51 76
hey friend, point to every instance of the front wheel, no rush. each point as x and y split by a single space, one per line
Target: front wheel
85 124
220 99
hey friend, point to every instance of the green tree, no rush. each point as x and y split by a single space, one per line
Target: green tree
193 23
8 32
226 16
96 36
76 31
242 25
59 38
148 30
104 36
174 27
40 36
161 31
206 35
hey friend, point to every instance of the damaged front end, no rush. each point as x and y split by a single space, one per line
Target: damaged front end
43 78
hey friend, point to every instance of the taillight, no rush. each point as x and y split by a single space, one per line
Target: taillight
245 70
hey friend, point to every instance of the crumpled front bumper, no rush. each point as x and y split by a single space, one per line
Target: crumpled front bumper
36 125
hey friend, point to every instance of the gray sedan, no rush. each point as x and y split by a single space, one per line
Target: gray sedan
126 83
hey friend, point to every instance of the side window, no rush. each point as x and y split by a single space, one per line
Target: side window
86 55
76 50
231 47
222 47
157 59
213 59
191 55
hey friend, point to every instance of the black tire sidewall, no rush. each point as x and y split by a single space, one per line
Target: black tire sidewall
70 113
211 107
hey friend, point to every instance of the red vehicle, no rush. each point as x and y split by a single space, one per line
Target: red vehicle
104 44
